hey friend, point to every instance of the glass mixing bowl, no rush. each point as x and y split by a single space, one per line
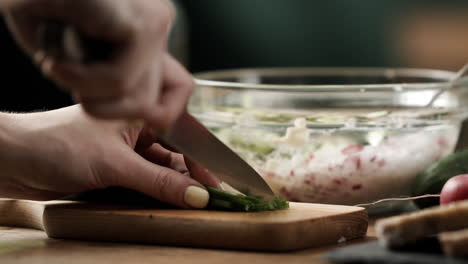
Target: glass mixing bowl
333 135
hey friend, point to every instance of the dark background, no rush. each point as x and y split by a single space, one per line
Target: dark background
263 33
22 86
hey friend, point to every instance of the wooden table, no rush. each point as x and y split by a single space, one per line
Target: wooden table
19 245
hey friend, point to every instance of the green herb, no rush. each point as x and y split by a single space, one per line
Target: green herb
222 200
311 119
435 116
377 114
256 147
275 118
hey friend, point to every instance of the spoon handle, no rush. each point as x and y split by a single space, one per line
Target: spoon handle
460 79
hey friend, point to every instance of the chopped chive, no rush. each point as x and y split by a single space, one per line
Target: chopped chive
222 200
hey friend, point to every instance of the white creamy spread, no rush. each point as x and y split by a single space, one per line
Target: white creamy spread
296 136
346 166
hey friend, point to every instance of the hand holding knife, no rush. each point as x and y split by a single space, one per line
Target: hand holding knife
187 135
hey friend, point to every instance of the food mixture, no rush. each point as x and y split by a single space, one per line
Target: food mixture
355 163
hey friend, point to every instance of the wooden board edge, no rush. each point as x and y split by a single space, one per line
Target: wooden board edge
78 224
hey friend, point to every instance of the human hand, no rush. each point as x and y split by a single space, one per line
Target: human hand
54 154
139 81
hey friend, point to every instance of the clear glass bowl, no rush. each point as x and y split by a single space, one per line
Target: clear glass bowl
333 135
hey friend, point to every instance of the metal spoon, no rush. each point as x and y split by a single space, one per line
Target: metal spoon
458 80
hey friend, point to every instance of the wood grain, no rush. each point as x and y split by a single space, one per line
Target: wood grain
301 226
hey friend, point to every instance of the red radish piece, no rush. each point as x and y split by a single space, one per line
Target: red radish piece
352 149
455 189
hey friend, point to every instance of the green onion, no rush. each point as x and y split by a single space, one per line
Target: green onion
222 200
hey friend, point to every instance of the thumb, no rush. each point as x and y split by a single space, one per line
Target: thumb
163 183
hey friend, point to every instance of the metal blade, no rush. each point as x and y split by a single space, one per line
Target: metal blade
191 138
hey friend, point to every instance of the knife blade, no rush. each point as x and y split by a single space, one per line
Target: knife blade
191 138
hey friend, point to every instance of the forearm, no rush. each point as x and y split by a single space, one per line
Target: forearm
9 153
37 154
31 150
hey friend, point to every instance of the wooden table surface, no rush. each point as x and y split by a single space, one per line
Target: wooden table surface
19 245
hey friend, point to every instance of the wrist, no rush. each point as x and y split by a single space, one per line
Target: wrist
8 130
10 149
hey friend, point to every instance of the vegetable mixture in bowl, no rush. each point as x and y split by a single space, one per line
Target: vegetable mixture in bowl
339 136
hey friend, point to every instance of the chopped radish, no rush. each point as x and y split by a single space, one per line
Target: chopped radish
352 149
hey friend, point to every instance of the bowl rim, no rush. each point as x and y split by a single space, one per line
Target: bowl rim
208 79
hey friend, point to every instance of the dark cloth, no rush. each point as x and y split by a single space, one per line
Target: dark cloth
371 253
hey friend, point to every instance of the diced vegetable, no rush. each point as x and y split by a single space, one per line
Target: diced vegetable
222 200
455 189
255 147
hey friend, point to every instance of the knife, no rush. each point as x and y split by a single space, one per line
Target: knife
191 138
187 136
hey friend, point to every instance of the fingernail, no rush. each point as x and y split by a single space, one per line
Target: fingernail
196 197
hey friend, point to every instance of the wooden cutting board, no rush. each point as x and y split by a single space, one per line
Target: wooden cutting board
301 226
